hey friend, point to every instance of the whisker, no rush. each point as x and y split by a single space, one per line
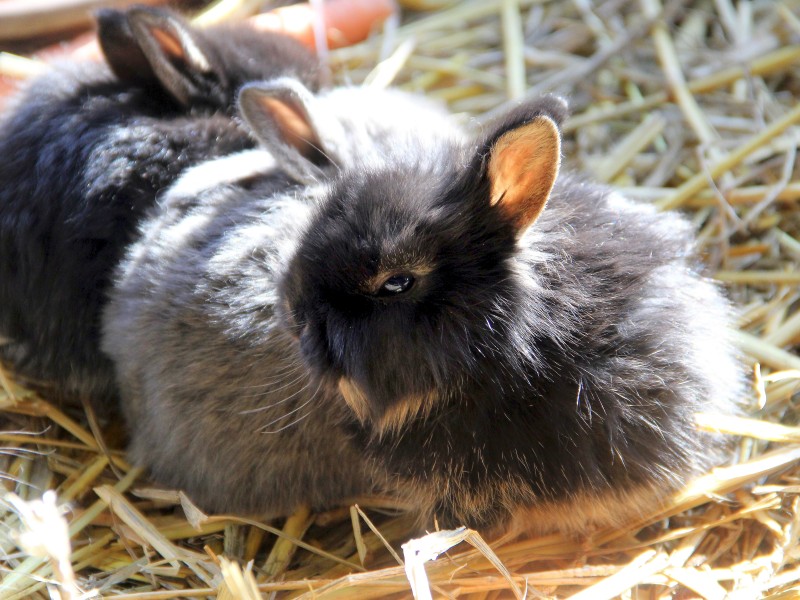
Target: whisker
295 422
277 403
323 153
27 484
20 451
276 362
273 381
25 432
303 405
291 412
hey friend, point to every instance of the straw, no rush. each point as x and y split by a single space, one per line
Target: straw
688 106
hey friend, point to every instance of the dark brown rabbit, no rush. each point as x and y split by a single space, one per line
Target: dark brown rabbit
87 148
504 345
517 346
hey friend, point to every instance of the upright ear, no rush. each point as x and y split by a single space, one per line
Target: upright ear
524 159
155 45
285 118
120 48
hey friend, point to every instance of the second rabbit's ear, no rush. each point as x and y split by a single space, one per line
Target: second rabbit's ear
283 116
156 45
120 48
524 156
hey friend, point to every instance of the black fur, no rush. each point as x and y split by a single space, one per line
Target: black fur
567 363
86 152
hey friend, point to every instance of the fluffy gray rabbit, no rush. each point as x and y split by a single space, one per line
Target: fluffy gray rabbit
87 148
445 317
216 394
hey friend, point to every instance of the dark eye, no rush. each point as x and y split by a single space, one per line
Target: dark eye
396 284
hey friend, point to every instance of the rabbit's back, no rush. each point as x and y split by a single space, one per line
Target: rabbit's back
628 282
84 156
494 361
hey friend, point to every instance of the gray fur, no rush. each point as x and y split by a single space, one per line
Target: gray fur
214 390
567 364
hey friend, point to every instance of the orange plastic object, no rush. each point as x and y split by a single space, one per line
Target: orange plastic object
346 21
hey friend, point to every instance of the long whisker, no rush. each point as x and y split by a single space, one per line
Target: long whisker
276 403
275 367
19 451
27 484
323 153
281 362
303 405
276 379
291 412
295 422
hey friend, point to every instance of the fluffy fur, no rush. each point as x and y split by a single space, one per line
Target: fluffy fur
567 360
531 376
86 150
223 406
221 403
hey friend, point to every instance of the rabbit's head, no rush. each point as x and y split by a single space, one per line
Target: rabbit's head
197 68
402 287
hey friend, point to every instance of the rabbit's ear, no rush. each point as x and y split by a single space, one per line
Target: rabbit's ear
152 45
524 156
279 113
120 48
523 166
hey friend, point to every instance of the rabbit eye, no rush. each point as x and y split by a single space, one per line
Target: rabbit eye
396 284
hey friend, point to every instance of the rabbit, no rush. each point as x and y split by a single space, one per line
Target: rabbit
87 149
446 317
216 397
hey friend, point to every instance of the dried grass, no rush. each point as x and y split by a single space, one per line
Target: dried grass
689 105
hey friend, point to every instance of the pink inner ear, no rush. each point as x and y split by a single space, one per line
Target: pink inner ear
293 126
523 167
170 45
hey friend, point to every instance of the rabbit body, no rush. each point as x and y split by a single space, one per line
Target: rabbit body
419 322
542 372
87 148
564 389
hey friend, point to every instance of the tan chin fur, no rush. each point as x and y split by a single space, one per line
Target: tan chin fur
406 409
395 416
354 398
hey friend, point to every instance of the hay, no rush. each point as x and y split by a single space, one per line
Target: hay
689 105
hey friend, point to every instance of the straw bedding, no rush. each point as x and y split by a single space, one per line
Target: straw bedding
689 105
